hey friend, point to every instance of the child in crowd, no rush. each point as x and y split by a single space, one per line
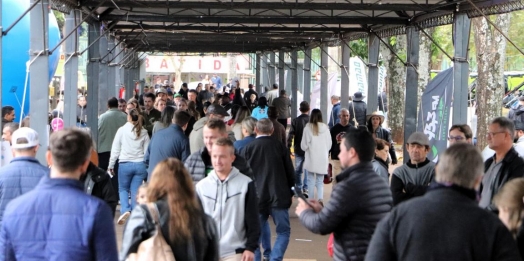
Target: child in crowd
141 196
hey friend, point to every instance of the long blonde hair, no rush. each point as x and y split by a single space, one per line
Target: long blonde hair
170 180
510 197
314 120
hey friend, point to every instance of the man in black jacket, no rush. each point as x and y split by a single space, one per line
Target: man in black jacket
247 95
274 176
504 165
294 139
337 134
446 223
359 200
98 183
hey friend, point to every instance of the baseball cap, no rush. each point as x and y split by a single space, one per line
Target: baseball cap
178 95
161 90
217 109
24 138
418 138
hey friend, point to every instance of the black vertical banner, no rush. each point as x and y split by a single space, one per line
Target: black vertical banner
435 110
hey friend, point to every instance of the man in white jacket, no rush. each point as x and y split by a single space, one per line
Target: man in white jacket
230 197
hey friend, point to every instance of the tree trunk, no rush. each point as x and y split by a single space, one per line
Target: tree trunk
397 87
491 52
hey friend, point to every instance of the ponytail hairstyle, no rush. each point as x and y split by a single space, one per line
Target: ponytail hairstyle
136 119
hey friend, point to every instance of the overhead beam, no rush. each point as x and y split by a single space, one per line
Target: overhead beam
272 5
162 36
258 20
238 28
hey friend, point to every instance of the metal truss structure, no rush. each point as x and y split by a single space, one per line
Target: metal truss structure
263 25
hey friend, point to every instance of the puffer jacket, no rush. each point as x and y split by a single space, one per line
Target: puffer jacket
359 200
359 114
140 227
196 164
58 221
20 176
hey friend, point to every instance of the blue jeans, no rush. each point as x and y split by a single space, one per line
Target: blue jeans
317 182
281 219
130 177
299 163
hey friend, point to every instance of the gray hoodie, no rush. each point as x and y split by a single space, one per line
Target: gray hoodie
232 203
196 138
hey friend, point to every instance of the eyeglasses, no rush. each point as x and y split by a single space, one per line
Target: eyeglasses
456 138
492 134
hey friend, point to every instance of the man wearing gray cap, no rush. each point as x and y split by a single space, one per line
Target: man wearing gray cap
413 178
196 138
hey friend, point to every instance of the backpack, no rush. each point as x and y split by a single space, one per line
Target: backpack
154 248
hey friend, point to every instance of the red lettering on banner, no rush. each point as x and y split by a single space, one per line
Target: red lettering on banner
218 65
238 67
147 62
163 64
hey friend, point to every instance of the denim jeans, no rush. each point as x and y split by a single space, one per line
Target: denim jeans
265 240
130 177
317 180
299 164
281 219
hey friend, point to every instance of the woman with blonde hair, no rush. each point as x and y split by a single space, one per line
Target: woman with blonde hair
242 114
510 203
186 228
129 147
316 143
135 104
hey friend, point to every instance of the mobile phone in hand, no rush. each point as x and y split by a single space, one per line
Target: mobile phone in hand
300 195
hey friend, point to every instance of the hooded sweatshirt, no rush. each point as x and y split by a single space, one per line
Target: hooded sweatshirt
232 203
196 138
316 148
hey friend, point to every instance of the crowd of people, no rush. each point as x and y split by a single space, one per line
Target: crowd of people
206 168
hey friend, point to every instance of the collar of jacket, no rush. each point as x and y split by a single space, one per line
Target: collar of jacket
47 182
469 193
359 166
508 158
113 109
419 165
379 160
25 158
176 127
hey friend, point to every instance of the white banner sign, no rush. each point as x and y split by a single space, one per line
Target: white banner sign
195 64
358 80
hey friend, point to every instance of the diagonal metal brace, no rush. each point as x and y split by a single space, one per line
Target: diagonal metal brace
4 33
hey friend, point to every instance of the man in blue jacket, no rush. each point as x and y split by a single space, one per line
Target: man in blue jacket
57 220
24 172
170 142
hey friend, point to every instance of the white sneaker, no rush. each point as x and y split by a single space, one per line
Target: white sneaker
122 219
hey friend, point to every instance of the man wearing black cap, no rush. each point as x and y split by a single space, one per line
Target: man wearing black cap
517 114
413 178
358 110
183 91
196 138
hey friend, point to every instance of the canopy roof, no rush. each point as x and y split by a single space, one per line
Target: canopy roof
263 25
